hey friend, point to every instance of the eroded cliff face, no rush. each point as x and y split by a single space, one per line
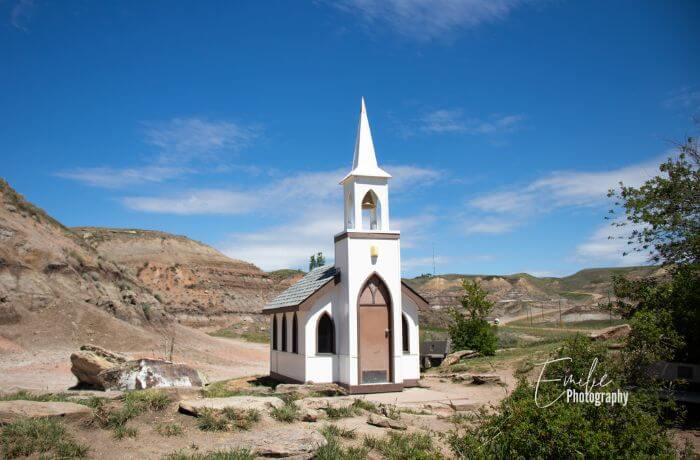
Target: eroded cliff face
198 285
55 289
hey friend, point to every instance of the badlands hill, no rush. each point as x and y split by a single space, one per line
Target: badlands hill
514 294
198 285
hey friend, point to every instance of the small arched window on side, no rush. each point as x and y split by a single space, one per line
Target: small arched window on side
371 212
325 335
274 332
295 334
405 334
284 332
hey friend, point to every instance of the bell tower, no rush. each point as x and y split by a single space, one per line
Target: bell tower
367 254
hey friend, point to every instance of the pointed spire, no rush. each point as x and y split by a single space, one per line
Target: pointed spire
364 162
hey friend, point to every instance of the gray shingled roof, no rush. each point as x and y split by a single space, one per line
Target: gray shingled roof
303 288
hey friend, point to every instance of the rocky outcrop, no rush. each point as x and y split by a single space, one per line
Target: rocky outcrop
11 411
261 403
612 333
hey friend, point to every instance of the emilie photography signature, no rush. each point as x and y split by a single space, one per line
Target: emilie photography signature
579 390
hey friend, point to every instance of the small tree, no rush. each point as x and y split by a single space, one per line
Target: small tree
316 260
469 329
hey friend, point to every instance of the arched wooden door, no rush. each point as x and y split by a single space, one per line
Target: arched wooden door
374 332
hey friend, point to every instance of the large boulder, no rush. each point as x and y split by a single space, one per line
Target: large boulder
457 356
11 411
311 389
322 403
612 332
87 363
261 403
150 373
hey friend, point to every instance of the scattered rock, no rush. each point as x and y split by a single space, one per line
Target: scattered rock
454 358
481 379
287 442
324 402
460 405
313 415
261 403
14 410
385 422
308 389
613 332
150 373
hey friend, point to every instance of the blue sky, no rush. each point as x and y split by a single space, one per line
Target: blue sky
503 122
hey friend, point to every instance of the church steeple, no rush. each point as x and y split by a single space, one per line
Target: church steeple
364 162
366 187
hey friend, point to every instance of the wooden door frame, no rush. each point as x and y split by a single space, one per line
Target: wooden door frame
390 307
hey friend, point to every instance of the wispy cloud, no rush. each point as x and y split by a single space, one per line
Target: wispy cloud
21 14
608 245
295 192
561 189
488 226
453 121
289 245
180 143
106 177
687 97
426 20
181 140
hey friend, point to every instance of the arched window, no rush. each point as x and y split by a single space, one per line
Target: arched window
404 334
274 332
284 332
295 334
371 212
325 336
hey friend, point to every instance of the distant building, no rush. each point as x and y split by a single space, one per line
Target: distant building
354 323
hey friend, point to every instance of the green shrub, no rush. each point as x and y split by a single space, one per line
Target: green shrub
363 404
287 413
209 420
143 400
122 431
400 446
242 419
169 429
473 334
522 429
333 450
232 454
334 431
39 435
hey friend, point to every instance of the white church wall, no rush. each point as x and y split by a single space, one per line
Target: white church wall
387 266
321 368
410 362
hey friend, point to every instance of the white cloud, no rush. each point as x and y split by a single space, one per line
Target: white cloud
181 140
117 178
425 20
607 245
453 121
563 188
488 225
290 245
297 192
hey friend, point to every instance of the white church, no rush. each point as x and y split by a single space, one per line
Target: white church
354 323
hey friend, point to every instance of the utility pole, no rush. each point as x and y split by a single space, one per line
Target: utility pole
560 325
433 259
